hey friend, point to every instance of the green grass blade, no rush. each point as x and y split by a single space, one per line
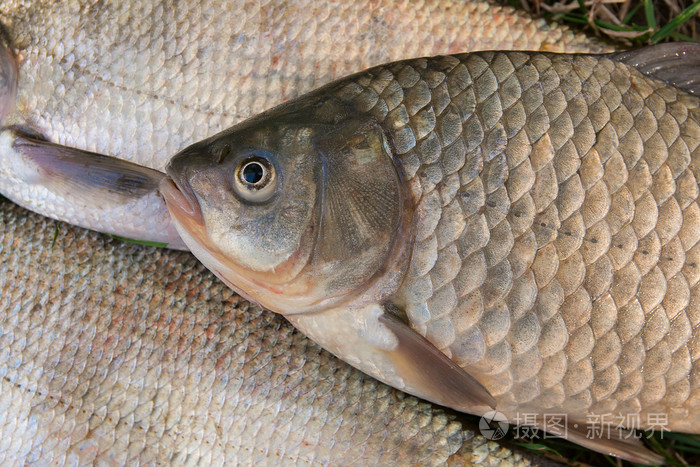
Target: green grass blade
55 236
574 19
537 447
649 13
140 242
676 22
681 37
582 6
631 13
659 448
690 440
687 449
615 27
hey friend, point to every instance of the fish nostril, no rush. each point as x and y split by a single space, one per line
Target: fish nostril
178 164
222 153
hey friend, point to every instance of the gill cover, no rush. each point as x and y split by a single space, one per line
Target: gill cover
364 208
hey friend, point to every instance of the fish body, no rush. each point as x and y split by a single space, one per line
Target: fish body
120 354
108 348
505 230
141 80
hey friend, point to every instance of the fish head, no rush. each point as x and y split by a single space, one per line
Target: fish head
298 209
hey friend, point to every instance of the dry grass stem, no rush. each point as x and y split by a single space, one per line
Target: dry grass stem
632 22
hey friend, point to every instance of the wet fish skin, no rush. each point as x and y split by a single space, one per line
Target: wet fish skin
120 353
549 248
60 83
141 80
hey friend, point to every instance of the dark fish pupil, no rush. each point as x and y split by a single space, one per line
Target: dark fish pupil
253 173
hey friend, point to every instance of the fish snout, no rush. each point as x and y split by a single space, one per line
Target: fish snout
177 189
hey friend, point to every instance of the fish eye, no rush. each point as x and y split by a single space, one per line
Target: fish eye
255 179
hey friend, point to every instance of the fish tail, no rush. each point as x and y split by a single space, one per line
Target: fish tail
9 73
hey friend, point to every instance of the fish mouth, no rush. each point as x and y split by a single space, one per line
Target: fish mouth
181 201
187 215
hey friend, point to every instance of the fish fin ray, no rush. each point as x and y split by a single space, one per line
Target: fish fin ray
614 441
677 63
375 341
82 175
433 372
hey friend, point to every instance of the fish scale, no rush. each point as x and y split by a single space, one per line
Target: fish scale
558 267
126 354
143 80
99 76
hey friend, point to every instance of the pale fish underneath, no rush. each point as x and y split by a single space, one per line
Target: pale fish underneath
140 80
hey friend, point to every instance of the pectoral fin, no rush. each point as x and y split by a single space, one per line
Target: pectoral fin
386 348
432 372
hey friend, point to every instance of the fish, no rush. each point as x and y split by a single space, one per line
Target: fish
84 92
141 80
500 230
116 354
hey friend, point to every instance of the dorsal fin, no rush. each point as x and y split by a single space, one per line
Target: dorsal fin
677 63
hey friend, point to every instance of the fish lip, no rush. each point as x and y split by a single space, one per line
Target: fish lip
180 199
